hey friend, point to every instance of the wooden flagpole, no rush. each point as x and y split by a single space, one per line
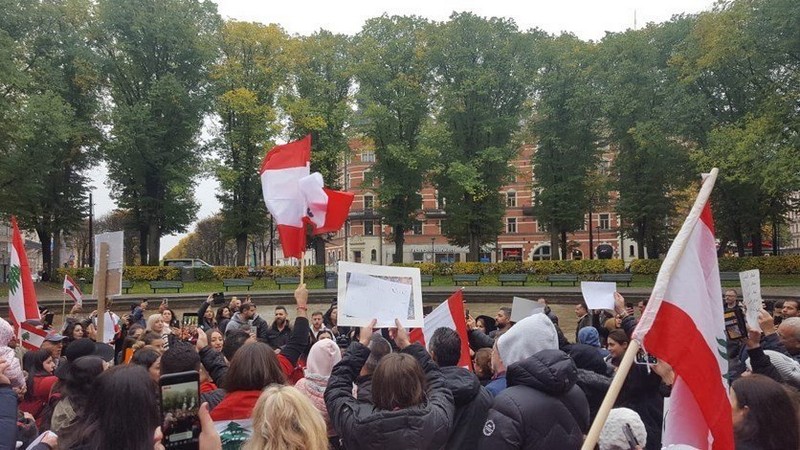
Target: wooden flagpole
100 283
63 305
302 267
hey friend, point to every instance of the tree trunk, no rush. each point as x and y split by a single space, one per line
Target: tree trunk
153 245
474 254
723 244
640 241
318 244
143 245
47 256
652 249
755 240
555 253
564 249
56 256
739 243
399 241
775 242
241 249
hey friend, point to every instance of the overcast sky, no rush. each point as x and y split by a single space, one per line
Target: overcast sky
588 19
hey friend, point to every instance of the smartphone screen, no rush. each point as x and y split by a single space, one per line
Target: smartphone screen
645 358
189 319
180 405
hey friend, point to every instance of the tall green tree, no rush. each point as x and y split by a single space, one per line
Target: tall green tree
156 55
644 108
479 101
247 81
565 125
48 114
316 103
394 80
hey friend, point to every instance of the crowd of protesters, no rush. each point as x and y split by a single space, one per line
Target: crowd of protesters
312 384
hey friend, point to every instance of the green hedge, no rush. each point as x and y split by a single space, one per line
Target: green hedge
581 267
768 265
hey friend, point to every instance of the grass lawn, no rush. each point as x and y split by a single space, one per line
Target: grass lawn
265 284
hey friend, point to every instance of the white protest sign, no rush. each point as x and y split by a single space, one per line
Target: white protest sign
522 308
751 292
384 293
115 262
598 294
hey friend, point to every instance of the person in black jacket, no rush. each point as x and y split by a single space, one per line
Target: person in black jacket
412 406
542 408
472 400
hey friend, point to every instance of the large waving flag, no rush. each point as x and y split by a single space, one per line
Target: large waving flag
684 326
449 314
21 293
295 197
72 290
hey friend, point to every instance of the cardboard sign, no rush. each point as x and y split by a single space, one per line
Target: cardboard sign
751 292
384 293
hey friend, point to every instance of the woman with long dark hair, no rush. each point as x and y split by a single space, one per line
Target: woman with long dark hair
121 412
73 330
40 365
150 359
758 403
411 406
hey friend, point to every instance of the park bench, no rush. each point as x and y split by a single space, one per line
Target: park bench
617 278
562 278
127 285
166 284
237 282
466 278
729 276
504 278
280 281
426 279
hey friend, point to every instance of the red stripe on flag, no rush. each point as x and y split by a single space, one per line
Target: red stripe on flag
291 154
456 305
707 217
293 240
336 212
674 337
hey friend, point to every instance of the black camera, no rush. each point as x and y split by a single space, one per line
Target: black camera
218 298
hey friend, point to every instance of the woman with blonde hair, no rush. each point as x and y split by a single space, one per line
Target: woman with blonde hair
155 322
285 419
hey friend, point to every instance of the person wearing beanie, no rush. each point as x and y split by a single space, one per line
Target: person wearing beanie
528 337
321 358
13 369
590 336
612 437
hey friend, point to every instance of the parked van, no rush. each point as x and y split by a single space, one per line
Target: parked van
188 263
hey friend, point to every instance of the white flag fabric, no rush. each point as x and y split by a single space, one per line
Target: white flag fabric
683 325
73 291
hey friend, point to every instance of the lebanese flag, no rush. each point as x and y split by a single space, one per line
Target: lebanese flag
683 325
450 314
21 293
296 197
31 337
72 289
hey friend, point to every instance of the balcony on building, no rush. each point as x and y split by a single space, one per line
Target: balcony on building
364 214
435 213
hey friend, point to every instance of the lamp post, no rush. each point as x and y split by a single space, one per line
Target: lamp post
598 234
591 238
433 250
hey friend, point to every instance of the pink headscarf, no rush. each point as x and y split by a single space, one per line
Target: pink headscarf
322 357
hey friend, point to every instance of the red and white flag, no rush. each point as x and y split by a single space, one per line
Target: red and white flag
295 197
73 291
450 314
683 325
31 337
21 293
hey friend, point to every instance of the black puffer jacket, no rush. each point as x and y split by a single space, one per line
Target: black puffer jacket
542 408
472 405
362 426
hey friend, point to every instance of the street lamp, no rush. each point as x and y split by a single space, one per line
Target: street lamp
598 235
433 250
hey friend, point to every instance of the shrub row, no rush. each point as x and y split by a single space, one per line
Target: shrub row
152 273
767 265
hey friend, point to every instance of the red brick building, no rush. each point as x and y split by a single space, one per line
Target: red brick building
366 239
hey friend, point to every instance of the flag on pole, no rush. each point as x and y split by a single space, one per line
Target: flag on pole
683 325
295 197
449 314
72 289
21 293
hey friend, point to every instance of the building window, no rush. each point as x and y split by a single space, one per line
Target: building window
631 250
541 253
418 256
416 227
373 255
441 201
369 228
357 256
511 199
369 202
604 222
367 156
511 225
541 227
